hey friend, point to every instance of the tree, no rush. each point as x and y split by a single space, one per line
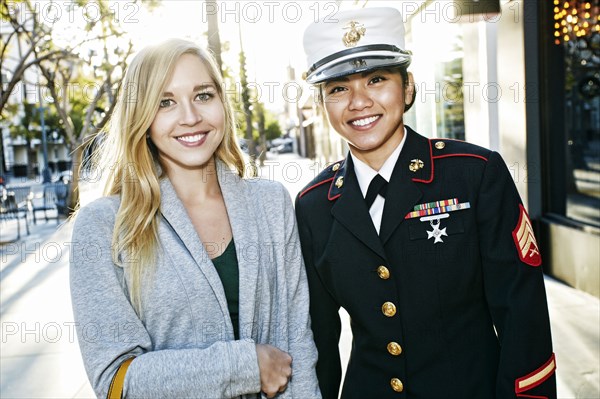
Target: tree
273 130
31 38
86 102
260 123
214 39
246 104
82 81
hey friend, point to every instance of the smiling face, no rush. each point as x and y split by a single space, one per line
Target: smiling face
366 109
190 122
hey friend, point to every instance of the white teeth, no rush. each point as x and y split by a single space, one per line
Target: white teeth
364 122
191 139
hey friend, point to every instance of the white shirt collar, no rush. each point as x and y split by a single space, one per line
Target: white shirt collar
364 173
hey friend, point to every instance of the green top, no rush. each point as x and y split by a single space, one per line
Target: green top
227 267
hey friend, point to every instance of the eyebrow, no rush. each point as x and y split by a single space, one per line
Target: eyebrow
362 75
196 88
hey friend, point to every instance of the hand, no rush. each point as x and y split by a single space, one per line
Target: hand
275 369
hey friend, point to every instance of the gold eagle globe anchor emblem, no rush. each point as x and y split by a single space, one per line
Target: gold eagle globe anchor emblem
415 165
356 31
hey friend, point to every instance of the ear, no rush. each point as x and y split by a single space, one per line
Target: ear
410 92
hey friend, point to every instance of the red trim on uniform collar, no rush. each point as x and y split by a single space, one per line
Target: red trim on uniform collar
432 167
334 197
314 186
460 155
342 171
329 197
432 158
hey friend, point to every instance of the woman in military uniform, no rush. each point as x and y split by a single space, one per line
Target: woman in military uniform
424 242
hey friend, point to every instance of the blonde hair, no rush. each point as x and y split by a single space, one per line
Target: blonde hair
131 160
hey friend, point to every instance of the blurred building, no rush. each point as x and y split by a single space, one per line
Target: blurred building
522 78
20 156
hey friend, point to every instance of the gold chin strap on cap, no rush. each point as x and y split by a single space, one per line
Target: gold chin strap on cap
115 391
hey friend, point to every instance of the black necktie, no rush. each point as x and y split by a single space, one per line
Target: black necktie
377 186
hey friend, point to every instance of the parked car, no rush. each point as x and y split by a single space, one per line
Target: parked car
282 145
285 147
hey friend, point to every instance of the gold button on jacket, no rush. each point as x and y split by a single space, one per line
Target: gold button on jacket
383 272
397 385
388 309
394 348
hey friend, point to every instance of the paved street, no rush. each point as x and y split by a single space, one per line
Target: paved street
39 356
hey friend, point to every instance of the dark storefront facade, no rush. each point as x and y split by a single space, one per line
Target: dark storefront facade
568 36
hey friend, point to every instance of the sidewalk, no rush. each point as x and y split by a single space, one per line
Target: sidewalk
39 355
575 319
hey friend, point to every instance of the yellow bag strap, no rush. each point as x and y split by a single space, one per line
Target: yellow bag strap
116 386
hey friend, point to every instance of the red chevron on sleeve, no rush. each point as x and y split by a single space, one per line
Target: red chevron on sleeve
535 378
525 240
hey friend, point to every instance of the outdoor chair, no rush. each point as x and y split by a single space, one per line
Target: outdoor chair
48 203
14 204
54 198
62 198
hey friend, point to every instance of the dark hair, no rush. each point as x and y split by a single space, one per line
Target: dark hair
402 70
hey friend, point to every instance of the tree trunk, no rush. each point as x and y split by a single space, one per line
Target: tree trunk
262 156
32 160
214 39
3 168
75 167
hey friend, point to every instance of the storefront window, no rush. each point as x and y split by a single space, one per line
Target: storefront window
582 120
437 44
450 112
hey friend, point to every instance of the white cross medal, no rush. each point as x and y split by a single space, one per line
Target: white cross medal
434 212
434 222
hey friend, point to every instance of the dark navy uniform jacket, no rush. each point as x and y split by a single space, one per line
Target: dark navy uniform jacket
463 318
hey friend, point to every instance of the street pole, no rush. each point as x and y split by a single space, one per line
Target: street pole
45 171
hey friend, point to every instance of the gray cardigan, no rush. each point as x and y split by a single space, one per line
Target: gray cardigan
184 343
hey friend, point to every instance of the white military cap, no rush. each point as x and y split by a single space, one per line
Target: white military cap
354 41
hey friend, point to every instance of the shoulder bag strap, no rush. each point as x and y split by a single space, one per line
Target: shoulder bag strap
116 386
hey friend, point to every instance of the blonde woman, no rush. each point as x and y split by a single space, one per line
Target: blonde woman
184 266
